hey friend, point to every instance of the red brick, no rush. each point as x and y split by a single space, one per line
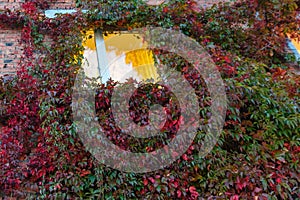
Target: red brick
10 50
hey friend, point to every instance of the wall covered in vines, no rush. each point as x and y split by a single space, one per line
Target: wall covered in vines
257 155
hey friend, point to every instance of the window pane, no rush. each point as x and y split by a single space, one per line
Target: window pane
90 63
126 54
294 44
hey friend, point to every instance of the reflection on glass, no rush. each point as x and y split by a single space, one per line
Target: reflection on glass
296 44
90 63
295 47
127 56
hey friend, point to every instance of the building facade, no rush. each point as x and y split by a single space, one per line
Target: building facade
10 49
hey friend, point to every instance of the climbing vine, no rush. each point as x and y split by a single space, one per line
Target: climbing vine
257 154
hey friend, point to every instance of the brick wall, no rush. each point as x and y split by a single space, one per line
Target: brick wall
9 41
10 4
208 3
10 49
63 4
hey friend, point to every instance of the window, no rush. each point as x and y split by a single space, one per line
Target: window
294 45
119 56
115 55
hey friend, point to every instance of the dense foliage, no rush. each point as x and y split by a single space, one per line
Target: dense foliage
257 154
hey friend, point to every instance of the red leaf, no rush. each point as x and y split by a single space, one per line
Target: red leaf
178 193
227 59
151 179
145 182
85 172
185 157
278 180
234 197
